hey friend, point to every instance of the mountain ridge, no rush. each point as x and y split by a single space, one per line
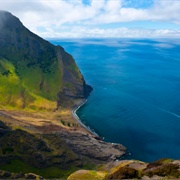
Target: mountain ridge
57 79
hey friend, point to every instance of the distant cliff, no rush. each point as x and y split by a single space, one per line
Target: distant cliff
34 73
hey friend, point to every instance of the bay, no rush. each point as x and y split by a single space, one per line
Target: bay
136 99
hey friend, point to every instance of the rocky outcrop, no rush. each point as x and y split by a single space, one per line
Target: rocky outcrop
54 147
86 145
132 169
9 175
88 174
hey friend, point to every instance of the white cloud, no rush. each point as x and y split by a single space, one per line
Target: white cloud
77 32
62 17
166 10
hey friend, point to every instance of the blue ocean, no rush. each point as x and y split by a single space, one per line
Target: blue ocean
136 96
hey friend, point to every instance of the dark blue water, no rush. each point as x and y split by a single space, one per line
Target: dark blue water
136 97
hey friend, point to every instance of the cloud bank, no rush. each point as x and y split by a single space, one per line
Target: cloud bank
97 18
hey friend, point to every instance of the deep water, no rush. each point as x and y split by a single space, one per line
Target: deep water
136 97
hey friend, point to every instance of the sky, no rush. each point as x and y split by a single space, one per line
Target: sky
98 18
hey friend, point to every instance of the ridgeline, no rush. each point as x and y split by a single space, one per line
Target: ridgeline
34 73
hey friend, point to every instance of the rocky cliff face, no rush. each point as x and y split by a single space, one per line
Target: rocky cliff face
34 73
52 152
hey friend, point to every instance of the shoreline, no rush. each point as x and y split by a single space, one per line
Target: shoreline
76 117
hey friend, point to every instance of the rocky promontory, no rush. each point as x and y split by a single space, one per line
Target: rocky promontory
40 84
132 169
47 145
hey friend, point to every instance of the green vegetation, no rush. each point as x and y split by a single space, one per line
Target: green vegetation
33 86
87 175
63 122
69 124
35 76
159 163
9 175
124 173
29 87
42 84
167 170
34 72
18 166
3 125
162 167
46 155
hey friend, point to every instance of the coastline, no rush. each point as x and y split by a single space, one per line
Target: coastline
75 116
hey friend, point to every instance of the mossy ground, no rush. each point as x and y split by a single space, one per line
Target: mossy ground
164 168
132 169
18 166
88 175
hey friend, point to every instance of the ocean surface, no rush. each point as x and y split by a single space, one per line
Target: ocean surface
136 96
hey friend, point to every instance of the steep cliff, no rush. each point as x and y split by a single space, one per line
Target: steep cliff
34 73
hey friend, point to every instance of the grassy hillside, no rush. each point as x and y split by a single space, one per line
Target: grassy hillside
38 77
29 87
34 73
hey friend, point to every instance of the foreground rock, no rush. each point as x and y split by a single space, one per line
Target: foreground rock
87 174
54 147
8 175
88 146
131 169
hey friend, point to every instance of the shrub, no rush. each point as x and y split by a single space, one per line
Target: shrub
169 170
69 124
63 122
124 173
158 163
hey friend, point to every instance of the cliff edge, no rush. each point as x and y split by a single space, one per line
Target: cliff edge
39 86
34 73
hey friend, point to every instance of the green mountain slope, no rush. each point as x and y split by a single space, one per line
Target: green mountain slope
34 73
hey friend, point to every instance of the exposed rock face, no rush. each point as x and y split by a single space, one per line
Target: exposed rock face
81 146
40 69
58 148
89 147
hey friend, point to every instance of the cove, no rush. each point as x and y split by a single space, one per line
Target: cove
136 99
